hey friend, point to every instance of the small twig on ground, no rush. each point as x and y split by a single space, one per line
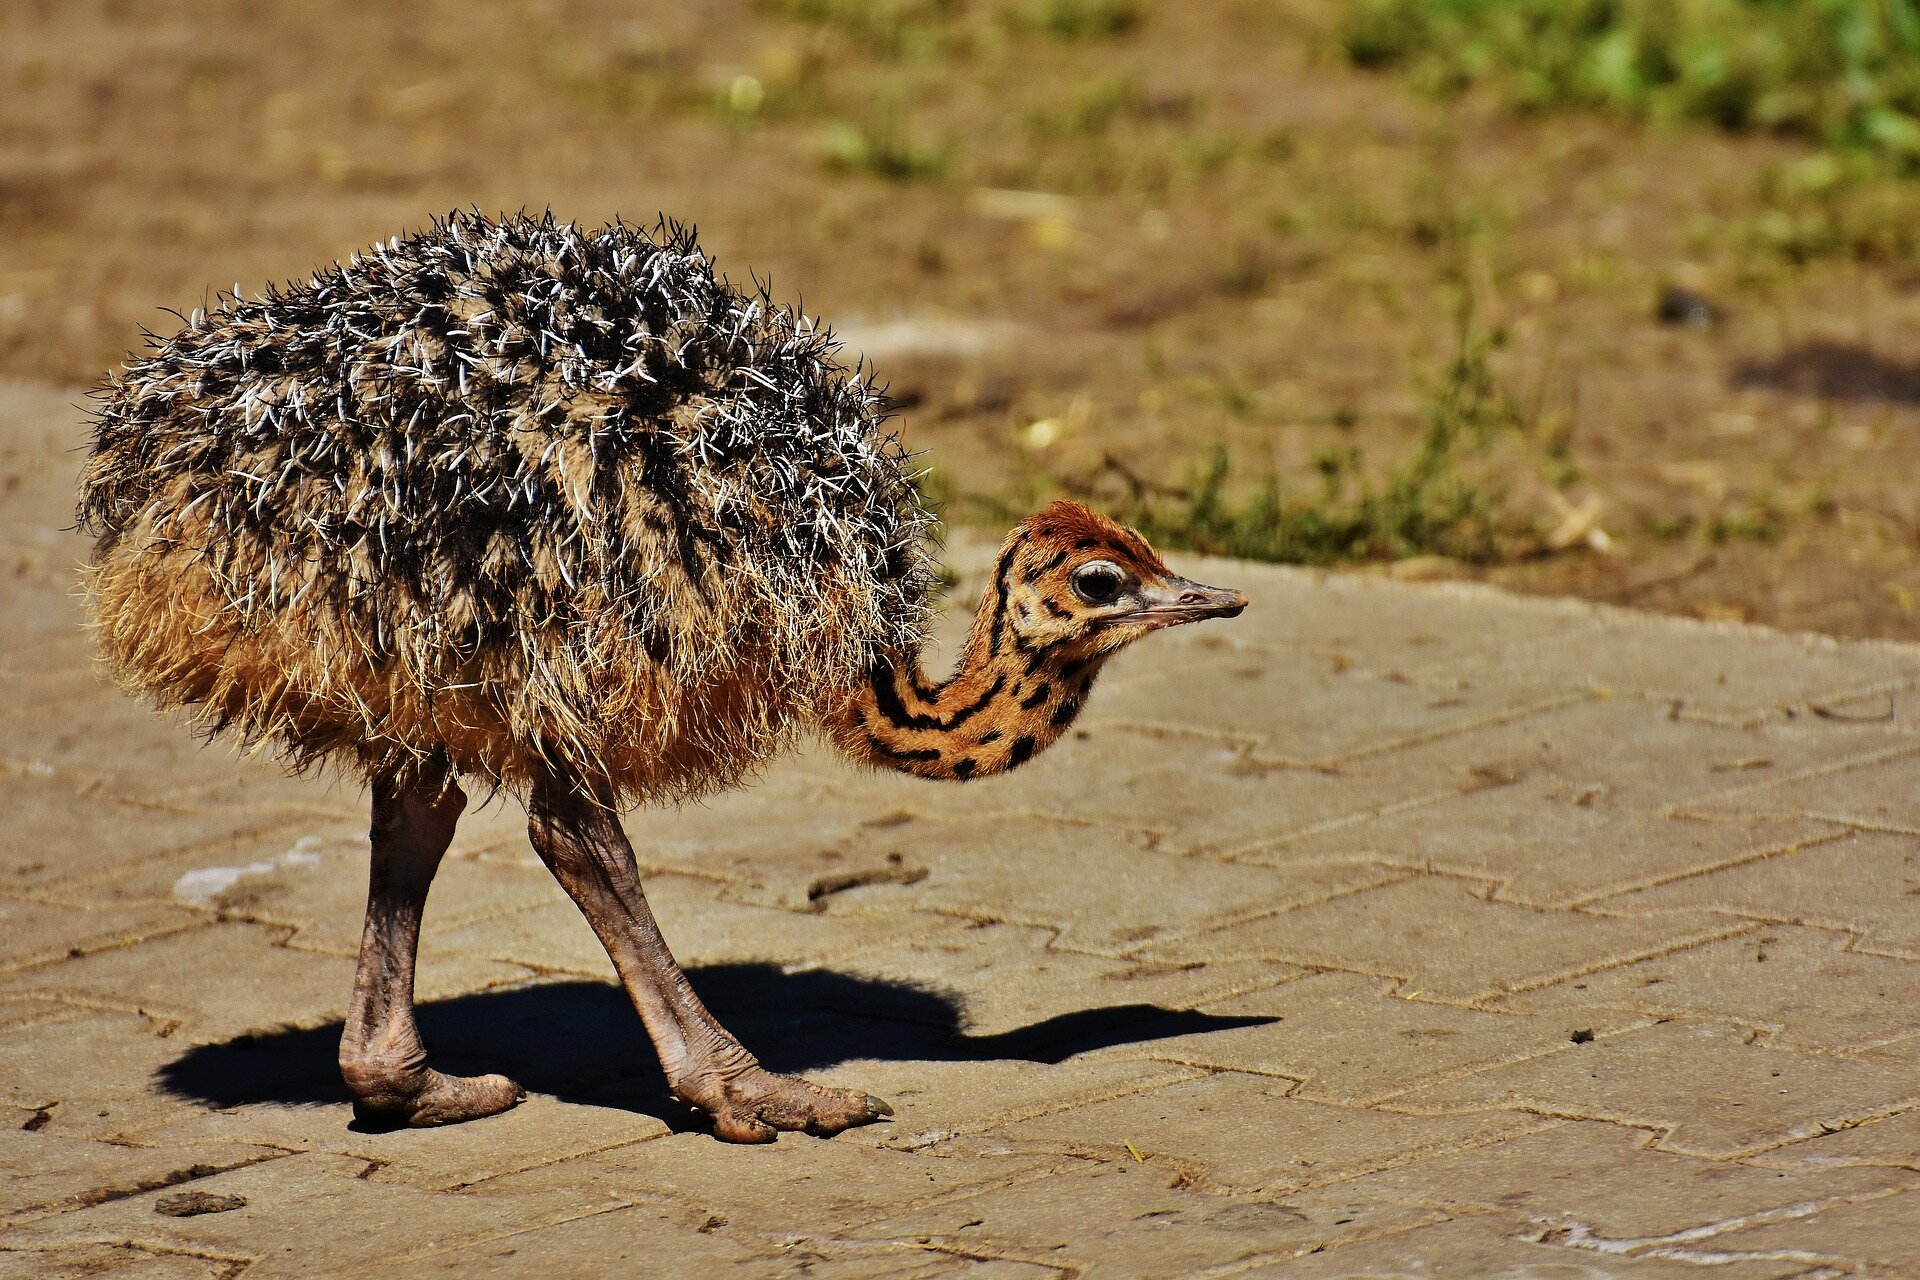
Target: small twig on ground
1635 589
1829 713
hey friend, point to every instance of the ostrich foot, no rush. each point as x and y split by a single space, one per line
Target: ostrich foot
424 1098
754 1104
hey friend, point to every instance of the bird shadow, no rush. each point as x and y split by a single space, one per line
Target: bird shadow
1834 371
580 1041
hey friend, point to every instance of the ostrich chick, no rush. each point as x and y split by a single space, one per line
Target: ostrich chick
562 513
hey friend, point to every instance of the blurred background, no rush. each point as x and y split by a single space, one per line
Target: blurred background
1616 298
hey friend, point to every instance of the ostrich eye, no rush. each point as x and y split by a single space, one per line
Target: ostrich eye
1099 582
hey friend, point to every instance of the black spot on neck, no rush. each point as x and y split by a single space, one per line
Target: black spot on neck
1022 752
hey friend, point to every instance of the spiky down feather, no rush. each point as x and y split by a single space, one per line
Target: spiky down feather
511 490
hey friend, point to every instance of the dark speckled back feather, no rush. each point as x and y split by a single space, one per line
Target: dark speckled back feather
509 457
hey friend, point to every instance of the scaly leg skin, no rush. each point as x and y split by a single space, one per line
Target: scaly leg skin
381 1056
578 836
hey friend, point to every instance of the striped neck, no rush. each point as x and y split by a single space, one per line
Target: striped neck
1008 700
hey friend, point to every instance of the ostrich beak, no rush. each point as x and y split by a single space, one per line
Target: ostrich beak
1173 601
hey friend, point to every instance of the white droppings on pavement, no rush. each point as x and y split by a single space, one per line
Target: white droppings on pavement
200 886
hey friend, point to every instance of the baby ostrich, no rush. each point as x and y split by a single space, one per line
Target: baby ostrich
560 513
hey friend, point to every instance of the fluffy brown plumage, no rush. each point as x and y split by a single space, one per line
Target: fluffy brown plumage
511 490
563 512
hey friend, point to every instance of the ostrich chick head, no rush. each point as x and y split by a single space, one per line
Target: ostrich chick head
1070 589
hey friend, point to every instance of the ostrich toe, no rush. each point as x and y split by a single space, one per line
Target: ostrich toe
753 1105
430 1098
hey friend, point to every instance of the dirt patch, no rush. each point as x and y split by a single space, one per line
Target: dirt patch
1183 231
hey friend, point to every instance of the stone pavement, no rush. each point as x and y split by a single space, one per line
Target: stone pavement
1391 930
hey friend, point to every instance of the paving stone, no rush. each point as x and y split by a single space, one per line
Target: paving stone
310 1215
1417 836
795 1187
701 926
1705 672
1592 799
1347 1039
34 933
33 680
62 846
310 1125
117 1262
1806 987
775 832
155 759
537 1132
879 852
1191 794
813 1259
1103 890
1446 941
92 1072
51 734
1007 981
1495 1248
816 1260
1874 788
467 892
261 785
650 1240
19 1011
1702 1085
1538 847
934 1101
540 1131
46 1173
313 883
1317 708
1400 627
1891 705
1601 1182
1893 1142
1865 884
1463 630
1879 1236
1123 1219
960 1268
1230 1132
242 978
38 423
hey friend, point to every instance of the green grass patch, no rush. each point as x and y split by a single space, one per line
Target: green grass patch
1842 74
1833 204
932 28
893 28
1434 500
886 146
1075 19
1845 73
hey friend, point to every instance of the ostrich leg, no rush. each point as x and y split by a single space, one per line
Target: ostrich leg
578 836
381 1056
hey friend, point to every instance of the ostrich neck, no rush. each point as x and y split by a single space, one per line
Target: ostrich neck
1007 701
